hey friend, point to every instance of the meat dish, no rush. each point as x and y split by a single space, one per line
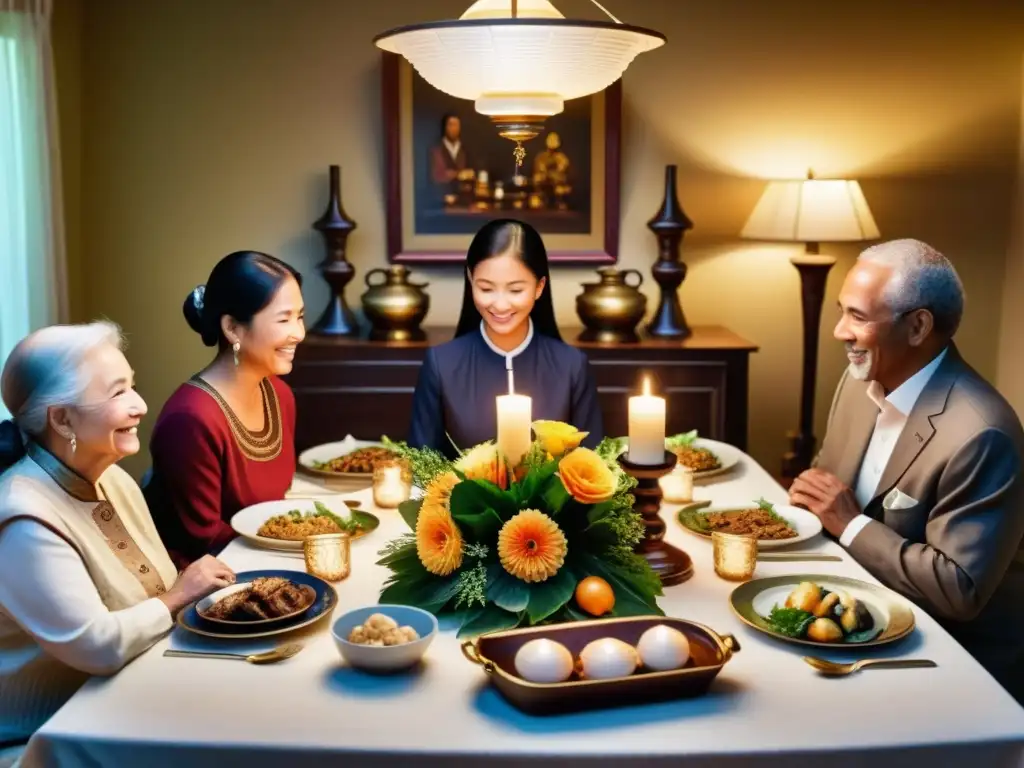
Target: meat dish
267 597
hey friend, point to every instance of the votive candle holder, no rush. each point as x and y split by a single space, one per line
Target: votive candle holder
328 555
392 484
735 555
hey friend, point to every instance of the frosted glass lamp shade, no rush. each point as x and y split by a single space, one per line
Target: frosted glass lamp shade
811 211
528 65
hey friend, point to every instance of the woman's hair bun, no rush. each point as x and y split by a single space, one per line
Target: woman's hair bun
197 321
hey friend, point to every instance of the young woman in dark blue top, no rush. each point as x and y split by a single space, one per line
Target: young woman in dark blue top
507 321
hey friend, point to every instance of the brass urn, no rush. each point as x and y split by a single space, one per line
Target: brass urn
611 308
394 306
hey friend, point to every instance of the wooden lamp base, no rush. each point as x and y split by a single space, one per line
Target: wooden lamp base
672 565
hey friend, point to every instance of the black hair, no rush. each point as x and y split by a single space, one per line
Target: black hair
524 242
240 285
444 122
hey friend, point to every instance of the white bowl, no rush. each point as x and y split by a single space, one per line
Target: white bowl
385 658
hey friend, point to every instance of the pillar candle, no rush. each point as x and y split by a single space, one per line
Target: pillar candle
647 428
514 420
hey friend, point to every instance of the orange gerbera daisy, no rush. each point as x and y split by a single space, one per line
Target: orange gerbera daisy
531 546
438 538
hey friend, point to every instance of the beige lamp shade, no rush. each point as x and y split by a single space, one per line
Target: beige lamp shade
527 65
811 211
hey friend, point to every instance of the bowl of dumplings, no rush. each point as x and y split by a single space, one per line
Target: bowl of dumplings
384 638
581 665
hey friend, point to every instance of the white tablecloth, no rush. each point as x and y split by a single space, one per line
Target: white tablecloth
765 708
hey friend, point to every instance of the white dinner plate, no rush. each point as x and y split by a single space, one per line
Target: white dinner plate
310 457
728 456
247 522
806 524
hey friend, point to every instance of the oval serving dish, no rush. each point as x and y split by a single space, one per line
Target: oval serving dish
496 652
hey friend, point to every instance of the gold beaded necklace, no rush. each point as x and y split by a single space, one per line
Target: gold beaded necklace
264 445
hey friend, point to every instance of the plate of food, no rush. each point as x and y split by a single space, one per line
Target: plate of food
349 460
284 524
703 457
325 600
264 601
775 525
823 611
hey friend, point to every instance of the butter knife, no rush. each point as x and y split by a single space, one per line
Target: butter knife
792 557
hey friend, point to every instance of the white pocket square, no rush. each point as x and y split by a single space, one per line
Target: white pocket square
897 499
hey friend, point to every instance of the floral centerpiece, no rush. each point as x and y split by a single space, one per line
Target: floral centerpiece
551 540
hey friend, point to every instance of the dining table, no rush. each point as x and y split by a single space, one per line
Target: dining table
766 707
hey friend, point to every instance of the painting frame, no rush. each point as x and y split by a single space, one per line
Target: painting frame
603 246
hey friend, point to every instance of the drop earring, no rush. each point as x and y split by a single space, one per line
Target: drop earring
234 351
74 443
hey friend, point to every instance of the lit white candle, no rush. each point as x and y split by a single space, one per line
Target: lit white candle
647 428
514 420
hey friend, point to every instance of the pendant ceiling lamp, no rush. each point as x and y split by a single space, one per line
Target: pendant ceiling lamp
519 60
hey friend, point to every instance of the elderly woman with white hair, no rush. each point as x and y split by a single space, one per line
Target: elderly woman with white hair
85 583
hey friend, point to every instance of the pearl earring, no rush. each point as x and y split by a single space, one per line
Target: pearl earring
234 350
74 443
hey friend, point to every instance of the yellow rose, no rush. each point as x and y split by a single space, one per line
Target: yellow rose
557 437
484 462
586 477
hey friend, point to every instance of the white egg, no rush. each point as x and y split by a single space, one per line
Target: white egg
543 661
608 657
662 648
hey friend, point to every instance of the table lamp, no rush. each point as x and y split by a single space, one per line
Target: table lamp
810 211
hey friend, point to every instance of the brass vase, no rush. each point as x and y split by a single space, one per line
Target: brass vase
395 307
610 309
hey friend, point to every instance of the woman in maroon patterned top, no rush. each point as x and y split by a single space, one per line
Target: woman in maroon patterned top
226 438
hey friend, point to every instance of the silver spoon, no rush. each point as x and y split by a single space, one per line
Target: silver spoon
836 669
267 657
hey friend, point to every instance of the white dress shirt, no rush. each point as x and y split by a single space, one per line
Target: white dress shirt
892 417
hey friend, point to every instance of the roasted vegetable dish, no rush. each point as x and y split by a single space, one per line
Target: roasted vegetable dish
814 613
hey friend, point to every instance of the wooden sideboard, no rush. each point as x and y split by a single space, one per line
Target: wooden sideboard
364 388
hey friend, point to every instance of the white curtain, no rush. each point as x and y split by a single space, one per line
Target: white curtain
33 289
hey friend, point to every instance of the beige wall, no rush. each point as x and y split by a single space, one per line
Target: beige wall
208 127
1010 379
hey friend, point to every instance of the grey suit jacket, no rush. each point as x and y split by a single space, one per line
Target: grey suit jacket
954 552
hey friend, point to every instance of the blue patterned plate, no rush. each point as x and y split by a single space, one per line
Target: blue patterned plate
323 605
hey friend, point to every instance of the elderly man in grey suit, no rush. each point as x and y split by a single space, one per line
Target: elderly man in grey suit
919 475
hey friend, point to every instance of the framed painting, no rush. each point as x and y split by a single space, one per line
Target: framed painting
448 172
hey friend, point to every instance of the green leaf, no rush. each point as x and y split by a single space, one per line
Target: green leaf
400 557
599 512
483 525
864 636
550 595
680 440
427 592
489 619
554 498
473 496
508 592
791 622
602 533
534 483
410 511
630 599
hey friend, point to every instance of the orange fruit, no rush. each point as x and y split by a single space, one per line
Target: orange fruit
595 596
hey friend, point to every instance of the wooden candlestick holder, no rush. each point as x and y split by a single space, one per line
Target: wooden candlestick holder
672 565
